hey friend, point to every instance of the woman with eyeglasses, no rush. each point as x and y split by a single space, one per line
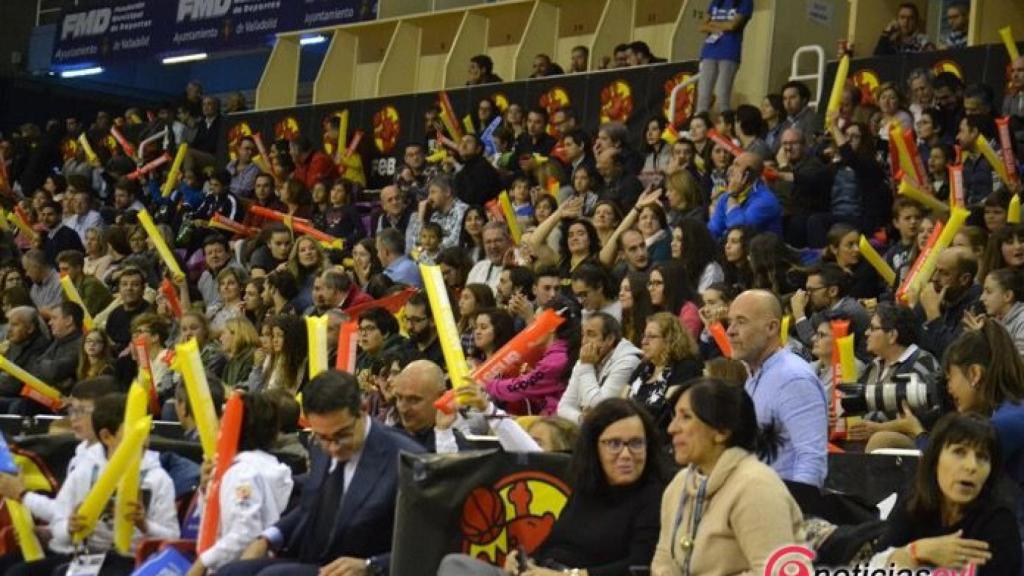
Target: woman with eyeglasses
822 348
726 511
611 519
671 292
671 358
96 357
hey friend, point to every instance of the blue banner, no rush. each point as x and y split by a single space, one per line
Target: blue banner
156 28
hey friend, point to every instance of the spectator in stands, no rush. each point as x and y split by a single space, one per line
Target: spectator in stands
535 140
954 515
825 292
621 186
26 344
477 183
59 363
443 208
796 97
807 183
496 245
606 360
45 291
420 384
670 292
750 130
720 55
242 169
265 197
217 255
843 248
209 138
693 245
608 524
219 199
378 332
579 59
901 35
96 358
365 262
542 66
748 201
620 57
397 265
126 199
921 87
353 455
826 359
238 343
422 331
717 437
394 211
659 153
957 20
594 289
311 166
58 237
671 358
94 293
1002 296
131 286
773 112
736 250
1013 101
481 71
83 217
788 398
949 96
639 54
254 491
892 339
684 194
942 303
275 249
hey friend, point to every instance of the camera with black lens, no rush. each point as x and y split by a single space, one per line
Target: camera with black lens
888 397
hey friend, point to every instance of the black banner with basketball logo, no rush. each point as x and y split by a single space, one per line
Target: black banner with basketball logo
482 503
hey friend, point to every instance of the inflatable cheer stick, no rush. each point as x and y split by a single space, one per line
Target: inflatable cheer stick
444 320
956 185
342 135
227 449
269 214
1013 212
161 246
71 293
1006 33
510 356
346 361
128 486
316 333
910 190
956 221
150 166
995 160
1006 147
90 154
877 262
21 519
171 294
221 222
448 118
670 135
717 331
96 501
20 221
784 329
915 268
175 171
510 216
836 95
145 375
189 364
33 388
906 153
125 144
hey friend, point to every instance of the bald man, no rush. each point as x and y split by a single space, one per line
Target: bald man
416 389
747 200
788 398
942 303
27 342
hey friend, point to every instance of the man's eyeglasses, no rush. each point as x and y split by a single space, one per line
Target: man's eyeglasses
343 437
615 445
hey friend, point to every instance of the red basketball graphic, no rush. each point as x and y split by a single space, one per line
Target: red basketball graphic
483 516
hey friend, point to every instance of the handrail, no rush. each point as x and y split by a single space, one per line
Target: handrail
675 92
819 77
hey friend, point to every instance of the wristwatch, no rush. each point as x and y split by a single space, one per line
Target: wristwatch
373 568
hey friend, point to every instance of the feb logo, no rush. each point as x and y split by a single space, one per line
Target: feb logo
866 81
616 102
386 127
235 135
685 100
947 66
517 511
552 101
287 128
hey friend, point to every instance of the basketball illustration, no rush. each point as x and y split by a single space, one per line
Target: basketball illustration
483 516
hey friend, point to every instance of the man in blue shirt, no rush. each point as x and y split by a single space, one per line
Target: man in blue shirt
788 398
747 200
397 266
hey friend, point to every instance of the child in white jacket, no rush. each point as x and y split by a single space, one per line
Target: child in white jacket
255 489
154 517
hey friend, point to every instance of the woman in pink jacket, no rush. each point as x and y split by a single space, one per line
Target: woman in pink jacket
538 390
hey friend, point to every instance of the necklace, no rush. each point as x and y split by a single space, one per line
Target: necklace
686 542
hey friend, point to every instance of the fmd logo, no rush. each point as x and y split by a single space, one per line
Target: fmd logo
202 9
91 23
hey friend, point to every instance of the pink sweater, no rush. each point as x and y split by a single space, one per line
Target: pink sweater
540 387
689 317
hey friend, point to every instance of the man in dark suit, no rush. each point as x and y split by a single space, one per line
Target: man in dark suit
344 521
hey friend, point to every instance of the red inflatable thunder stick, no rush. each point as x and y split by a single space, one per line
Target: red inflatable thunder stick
227 448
